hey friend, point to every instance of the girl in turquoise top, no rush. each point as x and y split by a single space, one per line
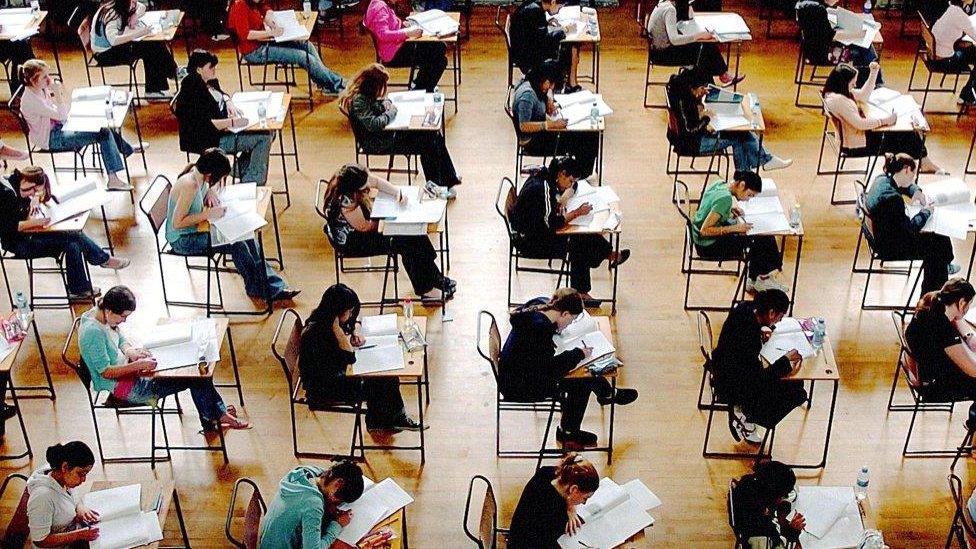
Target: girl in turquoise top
125 371
192 201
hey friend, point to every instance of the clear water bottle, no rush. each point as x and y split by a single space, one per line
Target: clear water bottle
35 7
262 113
408 311
861 486
307 9
867 9
795 219
594 115
109 113
438 96
819 332
23 308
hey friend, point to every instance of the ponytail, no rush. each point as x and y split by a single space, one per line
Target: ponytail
574 470
953 291
895 163
564 300
73 454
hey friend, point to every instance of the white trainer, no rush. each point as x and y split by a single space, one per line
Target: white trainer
777 163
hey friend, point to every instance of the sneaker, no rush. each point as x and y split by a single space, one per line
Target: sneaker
407 423
769 283
157 95
116 263
619 259
953 268
731 81
622 397
741 416
219 37
119 185
437 191
581 438
753 436
777 163
750 285
85 296
286 294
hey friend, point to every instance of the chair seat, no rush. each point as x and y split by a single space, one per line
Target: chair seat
111 401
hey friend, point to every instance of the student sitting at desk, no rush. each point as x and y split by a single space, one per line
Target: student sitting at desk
540 211
670 46
45 106
21 197
537 115
347 205
254 28
760 507
759 395
126 371
391 34
843 101
898 236
205 114
535 40
328 346
946 370
693 133
529 370
192 201
305 514
547 508
370 112
115 34
820 41
55 515
953 53
720 233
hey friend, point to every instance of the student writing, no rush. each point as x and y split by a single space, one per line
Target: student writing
759 395
672 47
536 36
393 49
529 370
55 516
761 507
115 35
821 42
952 53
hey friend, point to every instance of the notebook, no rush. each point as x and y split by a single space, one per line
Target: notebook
832 515
122 523
382 353
599 198
74 198
584 331
715 94
183 344
247 103
292 30
435 23
612 514
419 208
788 334
954 208
380 325
575 107
379 501
240 218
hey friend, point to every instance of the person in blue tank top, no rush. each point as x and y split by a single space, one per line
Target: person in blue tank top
192 201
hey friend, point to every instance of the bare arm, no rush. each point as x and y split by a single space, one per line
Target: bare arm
961 358
270 31
382 185
358 221
711 229
184 197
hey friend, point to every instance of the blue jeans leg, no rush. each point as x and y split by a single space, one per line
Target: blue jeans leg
256 148
110 142
302 54
260 280
207 400
77 248
745 148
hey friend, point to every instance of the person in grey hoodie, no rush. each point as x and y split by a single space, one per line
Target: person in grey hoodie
305 513
55 518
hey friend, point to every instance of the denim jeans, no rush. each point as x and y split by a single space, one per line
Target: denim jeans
255 148
260 280
207 400
110 142
302 54
325 4
745 148
77 248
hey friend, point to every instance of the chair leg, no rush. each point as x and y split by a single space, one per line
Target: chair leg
545 436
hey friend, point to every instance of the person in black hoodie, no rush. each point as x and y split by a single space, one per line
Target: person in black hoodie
328 346
540 211
758 394
206 114
547 508
534 40
760 507
529 369
898 236
818 38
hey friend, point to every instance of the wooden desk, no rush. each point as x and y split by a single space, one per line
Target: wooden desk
6 367
417 121
583 37
822 367
414 372
796 233
8 33
714 20
396 521
905 123
276 127
167 34
151 490
596 227
452 43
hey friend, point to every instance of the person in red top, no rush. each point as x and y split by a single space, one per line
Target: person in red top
390 33
254 29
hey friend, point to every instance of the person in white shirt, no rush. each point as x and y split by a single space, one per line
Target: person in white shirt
670 45
54 516
951 52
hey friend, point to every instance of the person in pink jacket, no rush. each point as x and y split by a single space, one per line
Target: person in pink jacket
391 34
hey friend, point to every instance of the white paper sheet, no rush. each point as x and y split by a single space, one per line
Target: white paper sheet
787 335
380 354
379 325
578 112
203 342
292 30
847 20
115 502
163 335
435 23
845 532
127 532
584 330
247 103
720 123
419 209
410 104
767 223
83 198
821 508
239 222
379 501
640 493
404 229
759 205
240 191
728 27
611 529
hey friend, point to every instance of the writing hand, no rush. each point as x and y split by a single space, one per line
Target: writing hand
85 514
414 32
742 228
798 522
737 211
216 212
873 65
557 123
144 365
584 209
344 518
765 334
357 340
87 534
587 351
793 356
402 199
574 523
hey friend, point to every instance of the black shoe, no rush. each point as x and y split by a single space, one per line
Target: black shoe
85 296
8 412
286 295
622 397
448 284
572 89
581 438
622 258
407 423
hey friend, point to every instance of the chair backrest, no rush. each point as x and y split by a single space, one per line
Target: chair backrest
505 205
928 40
253 513
510 111
867 222
730 507
17 530
683 205
962 523
488 523
319 199
372 37
157 210
706 339
75 363
836 124
906 361
288 357
83 28
492 341
14 106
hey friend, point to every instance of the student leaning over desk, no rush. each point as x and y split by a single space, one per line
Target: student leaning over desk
21 196
672 47
115 39
896 235
952 51
843 100
55 516
761 504
535 39
719 232
820 41
394 50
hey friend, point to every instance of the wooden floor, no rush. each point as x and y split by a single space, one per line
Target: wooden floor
658 438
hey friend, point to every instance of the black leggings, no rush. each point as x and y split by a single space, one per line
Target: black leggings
586 251
384 403
909 143
963 59
157 62
575 395
767 402
416 252
430 58
705 56
934 250
764 256
434 156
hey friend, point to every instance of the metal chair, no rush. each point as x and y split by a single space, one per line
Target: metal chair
504 29
17 531
648 83
690 256
253 513
521 151
926 54
741 540
390 268
677 149
486 537
504 205
288 360
962 529
491 353
803 80
866 235
706 345
836 136
78 155
82 23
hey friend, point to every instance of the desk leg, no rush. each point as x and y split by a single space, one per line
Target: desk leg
403 529
830 425
280 260
972 255
142 153
426 380
233 362
456 73
616 272
264 273
796 270
759 152
613 410
599 156
738 57
294 142
179 517
420 413
596 67
29 453
284 163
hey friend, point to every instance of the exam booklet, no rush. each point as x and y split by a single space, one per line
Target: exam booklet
240 218
788 334
183 343
599 198
419 207
613 514
292 30
379 501
122 523
584 331
74 198
832 516
954 208
435 23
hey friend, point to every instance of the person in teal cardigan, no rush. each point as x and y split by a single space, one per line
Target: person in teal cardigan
126 371
305 512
